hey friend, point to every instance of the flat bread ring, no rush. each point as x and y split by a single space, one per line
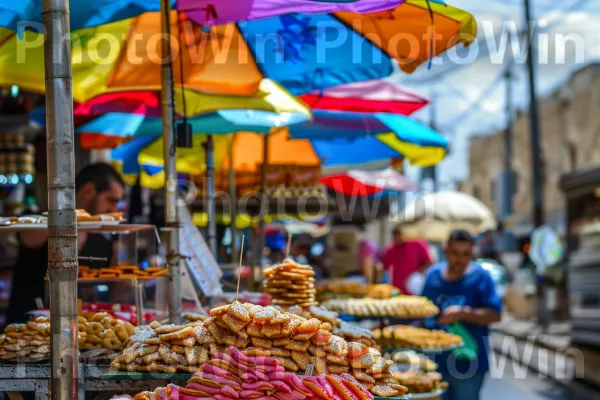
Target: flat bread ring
112 343
94 328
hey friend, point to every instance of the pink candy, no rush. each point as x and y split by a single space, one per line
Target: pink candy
281 386
248 377
203 388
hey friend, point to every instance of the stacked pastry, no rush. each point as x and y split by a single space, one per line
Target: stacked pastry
405 336
102 331
297 343
252 374
26 342
167 348
31 341
120 272
399 307
420 382
350 332
414 360
355 333
290 283
84 216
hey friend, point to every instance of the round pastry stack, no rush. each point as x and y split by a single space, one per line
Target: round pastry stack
26 342
290 283
103 331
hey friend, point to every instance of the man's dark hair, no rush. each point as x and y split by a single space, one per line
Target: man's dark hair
397 229
460 235
101 175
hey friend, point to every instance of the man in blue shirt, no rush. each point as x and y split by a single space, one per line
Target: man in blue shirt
468 303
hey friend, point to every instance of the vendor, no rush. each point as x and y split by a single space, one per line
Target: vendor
466 295
99 188
403 258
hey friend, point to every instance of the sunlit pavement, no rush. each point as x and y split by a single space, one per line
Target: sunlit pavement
520 384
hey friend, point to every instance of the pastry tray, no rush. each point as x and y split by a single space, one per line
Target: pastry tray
424 396
422 350
113 375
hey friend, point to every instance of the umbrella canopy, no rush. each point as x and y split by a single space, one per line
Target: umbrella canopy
133 157
219 62
137 113
344 138
283 152
304 52
434 216
215 123
270 98
367 97
225 11
358 183
139 158
86 14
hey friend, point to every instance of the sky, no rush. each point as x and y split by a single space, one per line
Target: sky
470 97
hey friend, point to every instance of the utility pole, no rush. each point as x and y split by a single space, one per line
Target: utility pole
62 223
431 172
170 155
536 149
543 314
508 138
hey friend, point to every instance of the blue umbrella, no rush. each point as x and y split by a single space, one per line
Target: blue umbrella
345 138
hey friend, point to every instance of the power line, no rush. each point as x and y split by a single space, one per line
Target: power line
484 50
477 103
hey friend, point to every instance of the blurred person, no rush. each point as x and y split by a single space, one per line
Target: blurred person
368 256
467 298
404 258
99 188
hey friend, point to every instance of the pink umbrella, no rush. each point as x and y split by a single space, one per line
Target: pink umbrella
359 183
367 96
217 12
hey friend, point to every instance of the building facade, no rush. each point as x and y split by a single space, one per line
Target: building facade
570 137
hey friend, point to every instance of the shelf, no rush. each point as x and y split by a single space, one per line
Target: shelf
113 375
116 229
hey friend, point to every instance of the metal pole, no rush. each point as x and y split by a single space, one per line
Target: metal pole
62 224
139 301
536 157
431 172
233 202
170 153
536 149
508 136
261 223
210 196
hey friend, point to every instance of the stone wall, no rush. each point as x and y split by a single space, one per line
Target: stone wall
570 134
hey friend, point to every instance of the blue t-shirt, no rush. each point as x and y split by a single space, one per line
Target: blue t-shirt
476 290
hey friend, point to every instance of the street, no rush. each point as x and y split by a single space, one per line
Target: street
508 387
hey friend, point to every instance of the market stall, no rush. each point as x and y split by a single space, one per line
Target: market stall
240 350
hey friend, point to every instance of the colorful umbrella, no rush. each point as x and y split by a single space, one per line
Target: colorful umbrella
248 151
211 12
144 155
304 52
86 14
367 97
138 158
345 138
270 98
218 62
358 183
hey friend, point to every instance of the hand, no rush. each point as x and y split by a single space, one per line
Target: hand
451 315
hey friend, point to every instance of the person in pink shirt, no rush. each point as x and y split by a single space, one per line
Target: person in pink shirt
405 257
